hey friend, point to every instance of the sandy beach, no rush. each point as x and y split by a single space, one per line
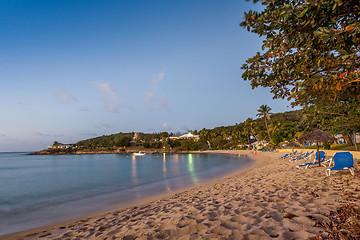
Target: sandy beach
273 199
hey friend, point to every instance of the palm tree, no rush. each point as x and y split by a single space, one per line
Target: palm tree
248 128
264 111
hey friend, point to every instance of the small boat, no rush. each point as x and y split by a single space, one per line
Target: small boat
139 154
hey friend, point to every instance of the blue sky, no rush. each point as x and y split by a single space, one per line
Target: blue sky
72 70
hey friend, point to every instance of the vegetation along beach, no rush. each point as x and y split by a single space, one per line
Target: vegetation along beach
180 120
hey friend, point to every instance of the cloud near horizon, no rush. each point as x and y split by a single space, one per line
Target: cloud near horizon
89 133
112 104
184 127
65 97
106 125
166 126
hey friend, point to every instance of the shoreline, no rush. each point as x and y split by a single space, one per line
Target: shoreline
145 200
242 205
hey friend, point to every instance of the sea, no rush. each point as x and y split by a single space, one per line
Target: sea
39 190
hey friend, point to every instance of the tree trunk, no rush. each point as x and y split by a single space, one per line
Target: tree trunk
318 154
354 141
348 139
268 130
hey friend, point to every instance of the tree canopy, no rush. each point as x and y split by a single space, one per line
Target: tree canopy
310 55
310 52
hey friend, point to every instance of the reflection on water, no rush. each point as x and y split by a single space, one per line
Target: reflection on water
133 170
191 169
168 188
175 160
164 165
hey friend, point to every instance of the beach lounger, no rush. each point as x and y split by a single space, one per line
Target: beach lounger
316 161
289 154
342 161
286 155
302 156
298 156
309 165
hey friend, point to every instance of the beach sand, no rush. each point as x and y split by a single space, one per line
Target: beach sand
272 199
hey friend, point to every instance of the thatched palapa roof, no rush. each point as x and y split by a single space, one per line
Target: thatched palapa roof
292 144
317 136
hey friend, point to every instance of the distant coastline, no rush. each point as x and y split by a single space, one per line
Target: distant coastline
121 151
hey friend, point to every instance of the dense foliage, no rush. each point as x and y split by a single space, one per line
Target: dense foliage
310 52
106 142
279 127
310 55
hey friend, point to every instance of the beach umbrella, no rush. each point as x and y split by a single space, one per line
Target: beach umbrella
292 145
317 136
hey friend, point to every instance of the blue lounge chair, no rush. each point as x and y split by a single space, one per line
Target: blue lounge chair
298 156
302 156
286 155
316 160
342 161
289 154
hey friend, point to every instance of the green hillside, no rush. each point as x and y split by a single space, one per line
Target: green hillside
278 128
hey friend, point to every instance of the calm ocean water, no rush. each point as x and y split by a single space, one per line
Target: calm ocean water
40 190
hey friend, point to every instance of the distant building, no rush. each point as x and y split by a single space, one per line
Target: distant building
137 137
340 138
259 144
61 146
187 136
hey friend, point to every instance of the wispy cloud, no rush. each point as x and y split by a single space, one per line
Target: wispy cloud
151 98
40 134
148 98
163 103
88 133
3 135
110 107
112 104
102 125
166 126
24 105
65 97
105 86
106 125
184 127
83 109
